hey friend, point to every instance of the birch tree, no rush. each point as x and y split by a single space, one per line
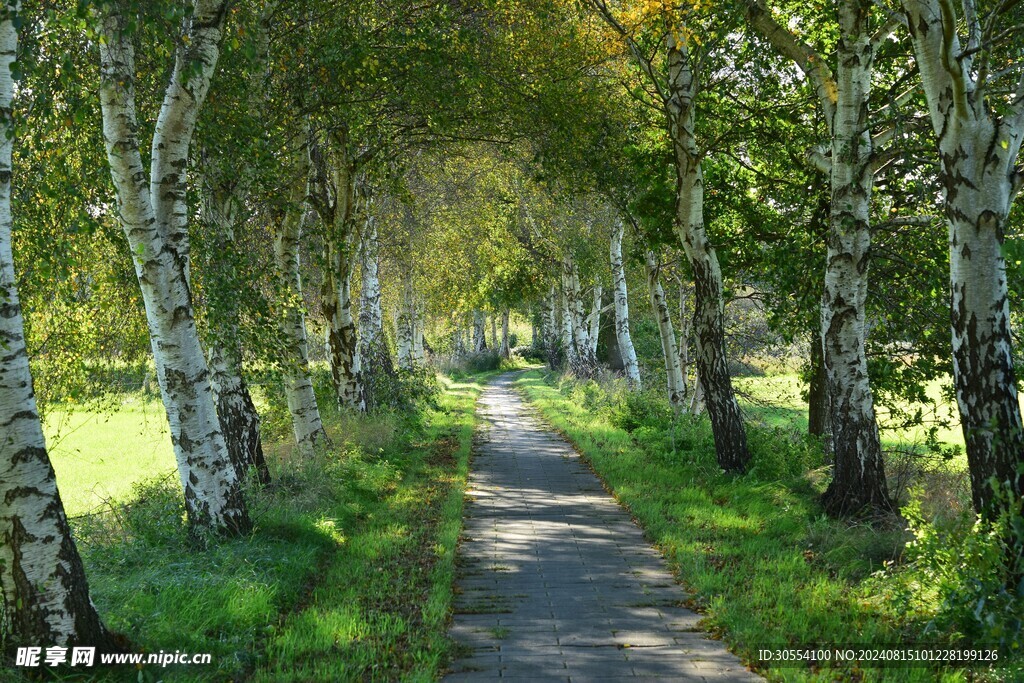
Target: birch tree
978 121
673 69
375 359
858 480
621 297
670 353
334 196
154 214
45 591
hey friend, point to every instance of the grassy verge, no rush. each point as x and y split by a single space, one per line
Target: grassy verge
756 554
347 576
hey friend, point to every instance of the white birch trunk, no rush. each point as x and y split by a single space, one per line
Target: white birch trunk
503 348
375 358
549 329
479 332
858 476
419 354
236 412
582 361
684 343
673 373
333 195
45 592
858 479
594 319
978 148
626 349
709 309
154 217
406 323
307 425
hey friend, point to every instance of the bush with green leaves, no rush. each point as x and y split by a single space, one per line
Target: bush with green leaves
968 574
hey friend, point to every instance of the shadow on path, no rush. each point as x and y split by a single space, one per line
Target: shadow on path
556 582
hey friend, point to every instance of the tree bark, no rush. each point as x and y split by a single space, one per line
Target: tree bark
594 319
582 359
236 412
818 408
45 591
627 351
479 331
307 425
406 323
550 328
154 216
709 307
333 194
673 373
503 348
375 363
858 478
978 148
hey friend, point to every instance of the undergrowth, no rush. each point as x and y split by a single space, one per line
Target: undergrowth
347 575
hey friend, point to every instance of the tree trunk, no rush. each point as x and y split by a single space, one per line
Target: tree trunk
154 216
495 342
503 349
709 307
45 592
625 341
819 409
673 373
479 331
550 340
333 195
858 479
298 386
406 324
376 365
978 148
582 360
236 412
684 352
594 319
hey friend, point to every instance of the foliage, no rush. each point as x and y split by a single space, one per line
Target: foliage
965 574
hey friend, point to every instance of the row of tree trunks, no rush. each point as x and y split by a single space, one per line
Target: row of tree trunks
45 592
581 354
154 214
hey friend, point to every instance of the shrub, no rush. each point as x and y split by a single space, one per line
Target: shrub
969 574
641 409
781 454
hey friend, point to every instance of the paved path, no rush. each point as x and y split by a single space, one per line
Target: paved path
556 582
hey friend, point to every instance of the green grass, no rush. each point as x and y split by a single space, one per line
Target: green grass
347 576
100 456
755 552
